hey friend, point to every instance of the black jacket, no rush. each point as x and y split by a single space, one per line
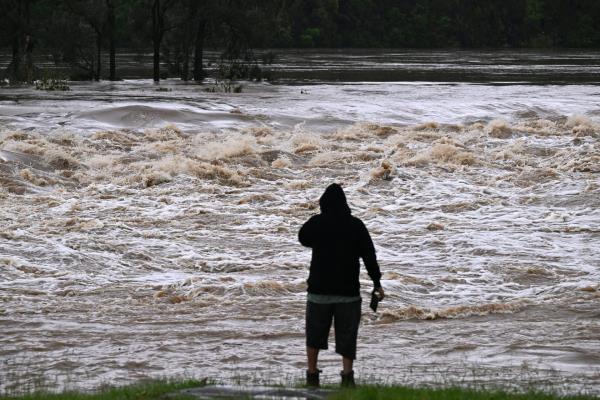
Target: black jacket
338 240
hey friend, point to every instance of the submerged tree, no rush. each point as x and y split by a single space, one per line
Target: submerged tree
111 27
159 11
194 33
187 20
16 30
95 14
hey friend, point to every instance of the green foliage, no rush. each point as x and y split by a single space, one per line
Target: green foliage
310 37
443 23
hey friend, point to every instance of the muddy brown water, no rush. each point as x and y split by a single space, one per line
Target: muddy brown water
149 234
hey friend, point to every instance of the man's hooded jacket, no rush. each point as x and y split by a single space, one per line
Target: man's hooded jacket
338 240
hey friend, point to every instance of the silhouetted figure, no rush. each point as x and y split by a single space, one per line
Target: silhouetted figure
338 240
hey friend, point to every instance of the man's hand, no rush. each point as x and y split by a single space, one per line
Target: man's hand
380 293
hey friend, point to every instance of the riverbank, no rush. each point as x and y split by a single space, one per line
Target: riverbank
153 389
195 389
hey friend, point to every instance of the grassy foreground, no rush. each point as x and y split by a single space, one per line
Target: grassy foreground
140 391
159 390
405 393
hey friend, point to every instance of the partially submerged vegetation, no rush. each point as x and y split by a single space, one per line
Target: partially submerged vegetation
225 86
52 83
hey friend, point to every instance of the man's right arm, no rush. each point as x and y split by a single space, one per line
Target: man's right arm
307 232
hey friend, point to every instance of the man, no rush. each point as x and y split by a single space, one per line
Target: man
338 240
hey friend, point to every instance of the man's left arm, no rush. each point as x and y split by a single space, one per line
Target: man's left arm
367 253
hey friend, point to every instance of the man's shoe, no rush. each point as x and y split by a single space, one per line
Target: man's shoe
348 379
312 378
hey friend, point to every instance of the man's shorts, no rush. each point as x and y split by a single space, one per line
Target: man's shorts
346 318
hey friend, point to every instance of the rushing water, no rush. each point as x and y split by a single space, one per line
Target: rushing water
151 230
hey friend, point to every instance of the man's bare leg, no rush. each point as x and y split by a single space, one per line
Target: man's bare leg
312 355
348 362
347 374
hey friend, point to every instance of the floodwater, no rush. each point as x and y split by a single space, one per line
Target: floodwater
151 230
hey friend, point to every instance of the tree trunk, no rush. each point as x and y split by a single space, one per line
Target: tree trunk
185 71
92 68
156 69
27 17
111 40
156 36
192 9
199 51
15 63
99 56
14 67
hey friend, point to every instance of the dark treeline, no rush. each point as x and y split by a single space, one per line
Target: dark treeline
80 33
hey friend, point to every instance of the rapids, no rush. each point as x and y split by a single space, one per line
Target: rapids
153 233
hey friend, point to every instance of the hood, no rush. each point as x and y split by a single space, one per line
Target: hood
333 201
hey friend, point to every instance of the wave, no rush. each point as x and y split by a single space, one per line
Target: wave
196 290
139 116
518 153
414 312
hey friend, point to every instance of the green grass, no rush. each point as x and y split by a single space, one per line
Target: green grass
403 393
159 389
155 389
